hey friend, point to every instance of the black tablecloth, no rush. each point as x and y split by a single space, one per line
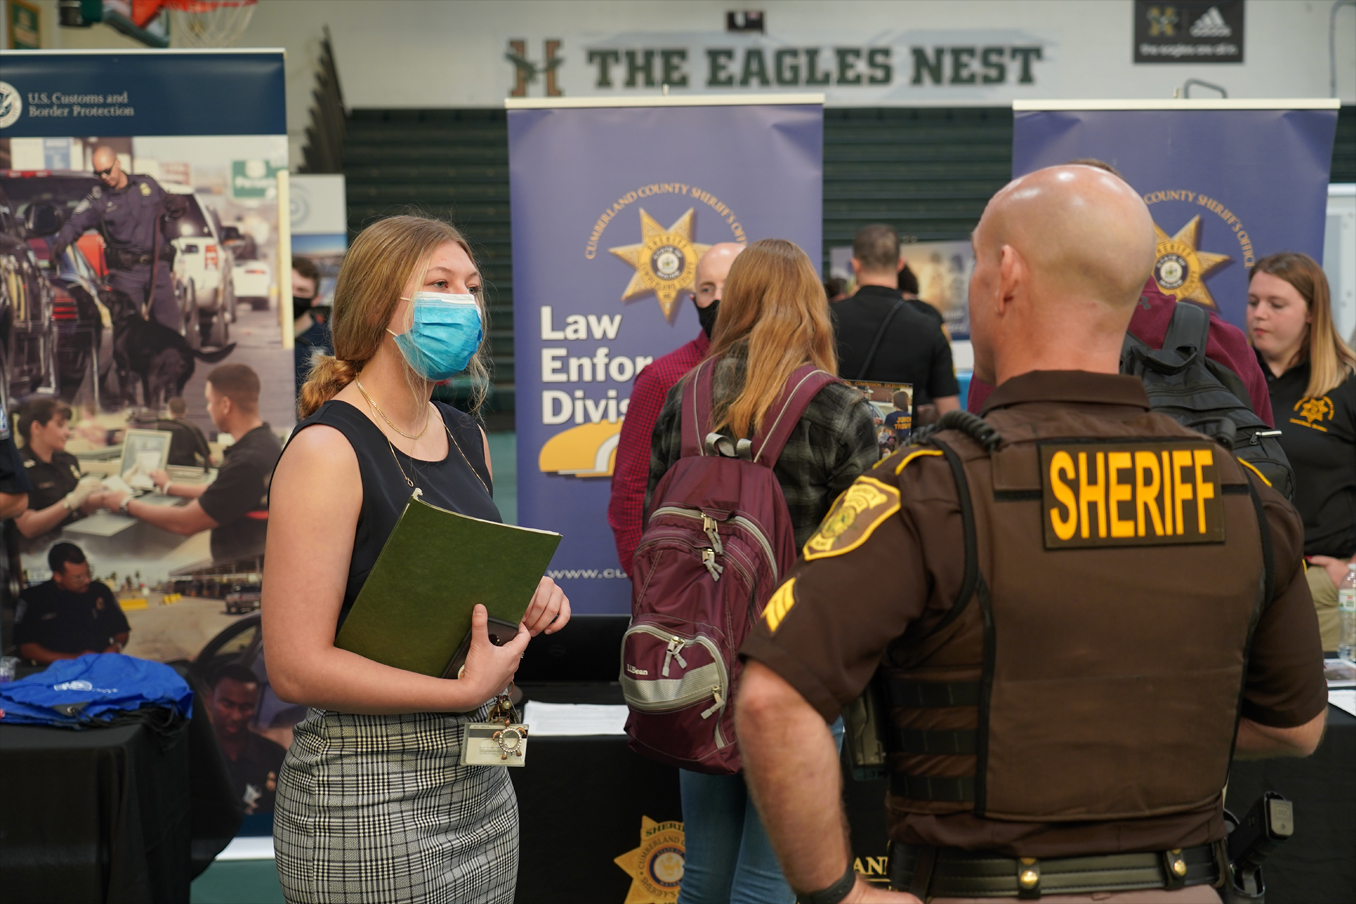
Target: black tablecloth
580 805
96 815
581 801
121 814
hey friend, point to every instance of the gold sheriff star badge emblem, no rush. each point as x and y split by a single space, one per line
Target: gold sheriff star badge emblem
656 867
1180 268
665 261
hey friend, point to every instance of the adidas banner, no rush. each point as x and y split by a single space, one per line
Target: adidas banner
1189 31
1227 182
612 207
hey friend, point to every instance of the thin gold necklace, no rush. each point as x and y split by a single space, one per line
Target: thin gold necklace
377 409
452 442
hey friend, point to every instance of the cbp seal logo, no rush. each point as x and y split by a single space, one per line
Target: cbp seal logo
11 105
665 260
656 867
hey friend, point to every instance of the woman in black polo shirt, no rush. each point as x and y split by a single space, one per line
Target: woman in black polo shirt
1311 374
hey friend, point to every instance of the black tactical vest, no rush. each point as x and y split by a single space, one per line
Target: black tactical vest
1092 666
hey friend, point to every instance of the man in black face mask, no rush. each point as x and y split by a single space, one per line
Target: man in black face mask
311 329
625 511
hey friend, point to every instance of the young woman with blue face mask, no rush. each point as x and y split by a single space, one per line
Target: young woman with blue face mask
372 803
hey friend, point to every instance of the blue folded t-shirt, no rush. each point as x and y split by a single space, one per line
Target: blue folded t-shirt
93 687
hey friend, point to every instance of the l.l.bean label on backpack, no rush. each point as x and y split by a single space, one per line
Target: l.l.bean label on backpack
859 511
1130 494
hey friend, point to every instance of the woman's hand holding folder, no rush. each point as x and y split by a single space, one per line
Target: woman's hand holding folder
490 668
549 609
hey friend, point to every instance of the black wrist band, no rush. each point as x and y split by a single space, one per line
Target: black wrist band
834 893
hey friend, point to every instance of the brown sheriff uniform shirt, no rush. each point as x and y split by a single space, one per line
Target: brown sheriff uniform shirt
904 576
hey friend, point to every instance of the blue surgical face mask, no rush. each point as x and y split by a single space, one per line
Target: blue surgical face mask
444 335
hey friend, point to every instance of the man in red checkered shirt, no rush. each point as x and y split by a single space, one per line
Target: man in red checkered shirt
625 511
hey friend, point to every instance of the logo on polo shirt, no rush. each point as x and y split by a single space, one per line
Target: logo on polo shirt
1312 412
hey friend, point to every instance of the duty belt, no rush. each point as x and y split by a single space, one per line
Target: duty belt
125 260
930 872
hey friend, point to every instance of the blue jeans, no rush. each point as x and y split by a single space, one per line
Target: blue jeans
729 857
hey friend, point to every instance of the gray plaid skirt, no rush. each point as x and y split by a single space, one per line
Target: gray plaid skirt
378 808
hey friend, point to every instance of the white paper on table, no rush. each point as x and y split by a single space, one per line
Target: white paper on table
1343 699
559 719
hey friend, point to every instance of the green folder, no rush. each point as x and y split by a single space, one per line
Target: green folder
415 608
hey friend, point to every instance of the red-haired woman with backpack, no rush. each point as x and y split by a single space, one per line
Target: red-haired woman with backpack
773 321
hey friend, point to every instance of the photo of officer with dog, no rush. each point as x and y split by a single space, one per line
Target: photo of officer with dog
146 302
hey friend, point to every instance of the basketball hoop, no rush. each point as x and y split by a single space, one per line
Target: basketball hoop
208 23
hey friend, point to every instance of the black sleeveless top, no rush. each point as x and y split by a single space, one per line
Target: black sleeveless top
451 483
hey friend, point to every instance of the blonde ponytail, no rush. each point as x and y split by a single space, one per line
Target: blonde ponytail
328 375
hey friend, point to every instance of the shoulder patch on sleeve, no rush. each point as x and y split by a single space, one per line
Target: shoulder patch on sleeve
853 518
779 605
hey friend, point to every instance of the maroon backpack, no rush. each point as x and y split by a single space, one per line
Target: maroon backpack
717 542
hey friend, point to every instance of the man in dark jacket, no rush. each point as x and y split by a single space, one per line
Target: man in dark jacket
128 211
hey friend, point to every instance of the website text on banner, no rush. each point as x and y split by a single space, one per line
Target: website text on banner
612 207
1226 187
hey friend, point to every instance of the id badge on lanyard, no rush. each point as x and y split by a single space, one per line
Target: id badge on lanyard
502 741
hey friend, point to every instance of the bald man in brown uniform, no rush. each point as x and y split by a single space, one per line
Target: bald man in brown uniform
1083 617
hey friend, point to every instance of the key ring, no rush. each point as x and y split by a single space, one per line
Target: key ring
507 734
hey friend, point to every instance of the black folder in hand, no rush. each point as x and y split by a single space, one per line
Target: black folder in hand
415 608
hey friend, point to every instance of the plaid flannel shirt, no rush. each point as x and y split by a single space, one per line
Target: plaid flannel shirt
832 445
626 508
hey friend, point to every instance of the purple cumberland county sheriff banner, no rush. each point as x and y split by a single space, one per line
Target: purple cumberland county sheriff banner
1226 185
612 206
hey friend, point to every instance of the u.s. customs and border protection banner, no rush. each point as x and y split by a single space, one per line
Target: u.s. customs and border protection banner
1227 181
202 136
612 205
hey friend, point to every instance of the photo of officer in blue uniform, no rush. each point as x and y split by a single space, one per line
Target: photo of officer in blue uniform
126 209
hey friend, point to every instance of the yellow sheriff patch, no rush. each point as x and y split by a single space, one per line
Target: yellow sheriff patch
857 513
779 605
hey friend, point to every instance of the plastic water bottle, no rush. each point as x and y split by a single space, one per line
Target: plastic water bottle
1346 614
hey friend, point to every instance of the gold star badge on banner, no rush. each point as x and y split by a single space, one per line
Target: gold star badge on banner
665 261
1180 268
656 867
